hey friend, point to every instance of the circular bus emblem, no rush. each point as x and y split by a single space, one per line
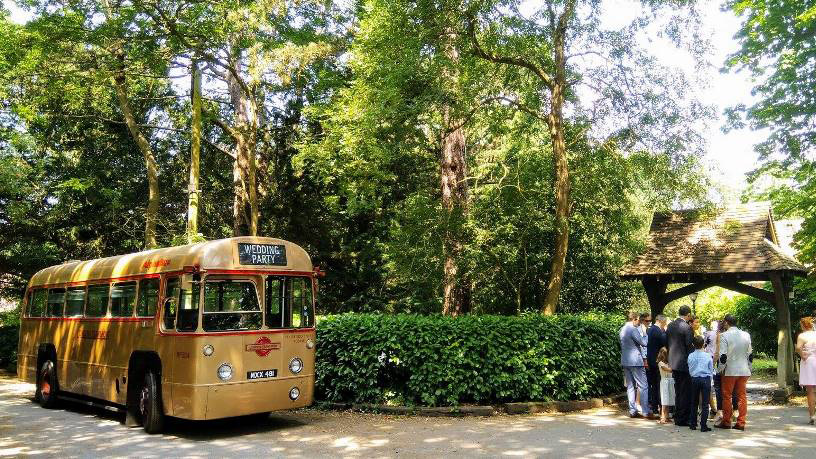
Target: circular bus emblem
263 346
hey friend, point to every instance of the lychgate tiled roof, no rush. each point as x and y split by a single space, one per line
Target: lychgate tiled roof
740 239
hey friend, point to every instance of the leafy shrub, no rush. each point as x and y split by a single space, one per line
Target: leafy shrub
9 332
758 317
8 345
436 360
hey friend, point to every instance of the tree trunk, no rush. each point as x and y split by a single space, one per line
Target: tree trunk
245 203
151 215
456 288
120 85
555 122
195 151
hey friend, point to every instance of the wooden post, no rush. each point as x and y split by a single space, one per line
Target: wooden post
655 292
784 339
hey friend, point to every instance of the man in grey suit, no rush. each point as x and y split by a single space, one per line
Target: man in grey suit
633 361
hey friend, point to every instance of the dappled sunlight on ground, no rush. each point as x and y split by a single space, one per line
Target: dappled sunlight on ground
76 429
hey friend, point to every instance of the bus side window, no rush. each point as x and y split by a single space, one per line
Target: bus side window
171 292
97 305
37 307
148 297
56 302
274 302
123 299
74 302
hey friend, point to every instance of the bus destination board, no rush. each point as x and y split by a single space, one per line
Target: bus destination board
261 254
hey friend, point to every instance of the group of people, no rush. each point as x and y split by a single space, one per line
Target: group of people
670 367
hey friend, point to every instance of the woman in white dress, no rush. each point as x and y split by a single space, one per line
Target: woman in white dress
666 385
806 347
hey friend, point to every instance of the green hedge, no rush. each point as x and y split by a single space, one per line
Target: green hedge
442 361
9 332
8 345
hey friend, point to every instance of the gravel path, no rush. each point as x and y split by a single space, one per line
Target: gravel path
76 430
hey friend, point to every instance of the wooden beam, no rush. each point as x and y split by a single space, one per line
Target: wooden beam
687 290
655 292
784 337
758 293
692 278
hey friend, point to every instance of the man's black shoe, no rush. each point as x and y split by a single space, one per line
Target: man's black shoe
705 429
693 427
681 424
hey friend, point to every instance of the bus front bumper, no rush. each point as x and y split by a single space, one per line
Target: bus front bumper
215 401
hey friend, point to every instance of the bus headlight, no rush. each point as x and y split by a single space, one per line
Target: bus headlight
296 365
208 350
225 372
294 393
309 344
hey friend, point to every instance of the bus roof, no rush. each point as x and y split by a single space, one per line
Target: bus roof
232 254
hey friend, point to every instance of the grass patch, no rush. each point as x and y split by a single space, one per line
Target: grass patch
764 366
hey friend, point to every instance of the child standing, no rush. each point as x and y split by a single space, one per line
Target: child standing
701 368
666 385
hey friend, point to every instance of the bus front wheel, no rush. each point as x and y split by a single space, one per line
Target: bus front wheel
150 406
47 386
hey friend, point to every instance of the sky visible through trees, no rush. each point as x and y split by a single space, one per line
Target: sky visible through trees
730 154
454 156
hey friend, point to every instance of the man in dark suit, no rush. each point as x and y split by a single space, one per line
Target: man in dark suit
678 339
656 339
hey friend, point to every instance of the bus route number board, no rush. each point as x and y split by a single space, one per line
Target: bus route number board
261 254
261 374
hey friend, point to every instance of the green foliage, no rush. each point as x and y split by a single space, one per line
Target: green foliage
759 317
776 46
764 366
435 360
9 335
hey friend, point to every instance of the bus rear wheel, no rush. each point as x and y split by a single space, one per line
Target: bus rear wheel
47 386
150 406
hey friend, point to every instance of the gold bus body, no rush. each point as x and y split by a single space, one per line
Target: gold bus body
94 355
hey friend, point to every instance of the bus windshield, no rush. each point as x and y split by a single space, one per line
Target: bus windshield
231 305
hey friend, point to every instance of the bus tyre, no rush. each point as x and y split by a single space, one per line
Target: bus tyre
47 386
150 406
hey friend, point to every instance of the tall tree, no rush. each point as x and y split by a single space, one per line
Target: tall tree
777 48
247 49
195 154
98 44
397 111
562 45
456 289
114 40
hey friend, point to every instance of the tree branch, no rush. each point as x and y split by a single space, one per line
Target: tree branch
507 60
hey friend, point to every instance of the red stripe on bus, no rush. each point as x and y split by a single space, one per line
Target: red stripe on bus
255 271
92 319
248 332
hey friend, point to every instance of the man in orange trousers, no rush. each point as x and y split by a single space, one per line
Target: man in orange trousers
735 352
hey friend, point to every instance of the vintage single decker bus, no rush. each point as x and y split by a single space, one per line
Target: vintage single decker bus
202 331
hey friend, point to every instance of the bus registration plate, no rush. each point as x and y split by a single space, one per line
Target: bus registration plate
261 374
